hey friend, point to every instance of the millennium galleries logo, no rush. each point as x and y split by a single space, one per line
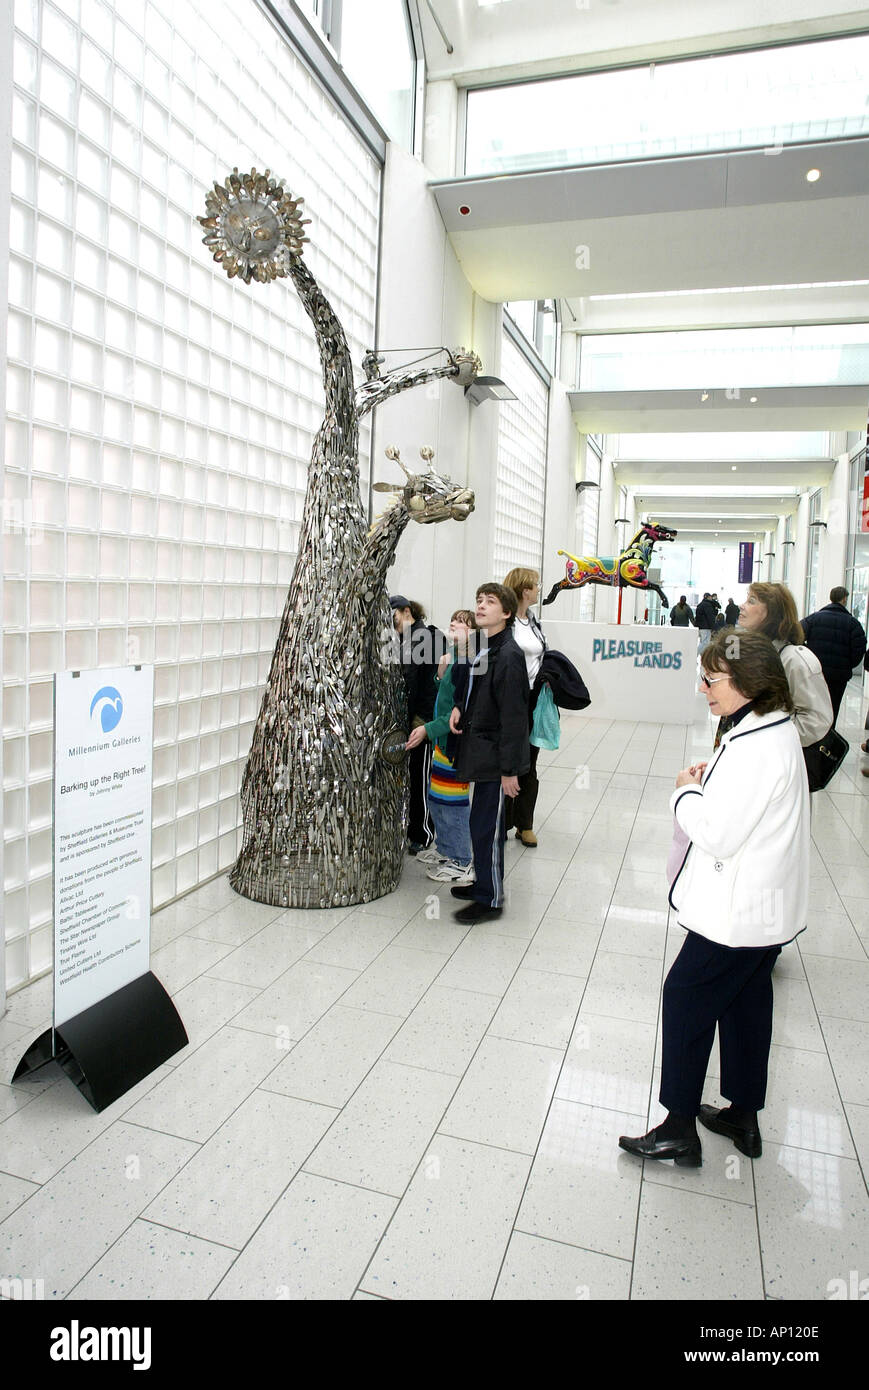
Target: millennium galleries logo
110 705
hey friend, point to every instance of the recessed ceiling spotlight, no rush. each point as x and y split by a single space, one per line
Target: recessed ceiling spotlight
705 396
813 175
733 468
753 399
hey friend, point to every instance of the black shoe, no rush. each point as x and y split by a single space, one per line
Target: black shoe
686 1152
476 912
746 1138
464 892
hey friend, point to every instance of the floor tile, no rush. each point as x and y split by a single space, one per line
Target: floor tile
14 1191
149 1262
563 948
803 1109
450 1231
841 990
848 1045
623 987
314 1245
381 1133
608 1064
184 960
583 1189
69 1224
205 1005
504 1096
444 1030
335 1056
294 1003
536 1269
395 982
264 957
483 964
200 1094
671 1263
38 1140
236 922
813 1220
231 1184
358 941
538 1007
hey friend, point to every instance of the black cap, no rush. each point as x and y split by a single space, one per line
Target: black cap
399 601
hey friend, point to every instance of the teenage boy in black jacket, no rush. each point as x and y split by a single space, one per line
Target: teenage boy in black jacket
494 751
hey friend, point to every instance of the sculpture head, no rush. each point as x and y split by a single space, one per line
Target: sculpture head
428 496
658 532
253 226
469 366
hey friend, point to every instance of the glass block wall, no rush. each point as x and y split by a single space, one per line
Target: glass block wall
521 478
160 417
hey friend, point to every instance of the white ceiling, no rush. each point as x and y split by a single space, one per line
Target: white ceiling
672 412
524 38
707 221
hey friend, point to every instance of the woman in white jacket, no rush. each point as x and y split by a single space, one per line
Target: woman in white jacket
741 893
770 609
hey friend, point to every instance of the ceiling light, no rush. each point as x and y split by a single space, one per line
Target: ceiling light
813 175
705 396
752 399
733 468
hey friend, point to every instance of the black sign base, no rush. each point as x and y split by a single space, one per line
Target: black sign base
110 1047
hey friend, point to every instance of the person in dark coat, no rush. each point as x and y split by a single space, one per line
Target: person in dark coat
705 620
682 614
494 750
839 643
422 647
731 614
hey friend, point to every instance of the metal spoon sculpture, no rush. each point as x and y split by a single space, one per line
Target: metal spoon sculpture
324 787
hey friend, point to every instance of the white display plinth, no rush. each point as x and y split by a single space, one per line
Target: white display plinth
633 672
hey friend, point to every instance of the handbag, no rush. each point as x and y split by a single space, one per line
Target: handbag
824 758
546 726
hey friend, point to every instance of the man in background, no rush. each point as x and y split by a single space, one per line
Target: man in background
705 620
839 643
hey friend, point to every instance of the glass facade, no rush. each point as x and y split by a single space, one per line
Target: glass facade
766 97
159 417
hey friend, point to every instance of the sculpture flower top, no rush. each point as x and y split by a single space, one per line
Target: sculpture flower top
253 226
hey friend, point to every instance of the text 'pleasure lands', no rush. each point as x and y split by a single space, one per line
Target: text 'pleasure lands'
643 653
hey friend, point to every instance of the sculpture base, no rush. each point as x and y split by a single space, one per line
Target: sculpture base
311 882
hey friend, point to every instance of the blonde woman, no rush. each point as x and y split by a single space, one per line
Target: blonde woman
528 634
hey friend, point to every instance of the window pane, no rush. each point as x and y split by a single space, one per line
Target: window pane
811 91
377 54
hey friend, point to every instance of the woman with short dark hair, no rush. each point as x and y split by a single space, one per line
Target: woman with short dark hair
741 893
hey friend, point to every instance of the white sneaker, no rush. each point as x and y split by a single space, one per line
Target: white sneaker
458 875
430 856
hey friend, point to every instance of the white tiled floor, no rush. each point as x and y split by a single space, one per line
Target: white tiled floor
377 1102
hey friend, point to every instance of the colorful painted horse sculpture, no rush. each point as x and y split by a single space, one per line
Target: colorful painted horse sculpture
628 569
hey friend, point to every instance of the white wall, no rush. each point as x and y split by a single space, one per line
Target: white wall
425 301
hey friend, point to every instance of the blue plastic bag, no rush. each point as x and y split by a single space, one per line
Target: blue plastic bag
546 728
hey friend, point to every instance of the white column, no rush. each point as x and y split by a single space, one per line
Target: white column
834 541
799 562
5 205
780 550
